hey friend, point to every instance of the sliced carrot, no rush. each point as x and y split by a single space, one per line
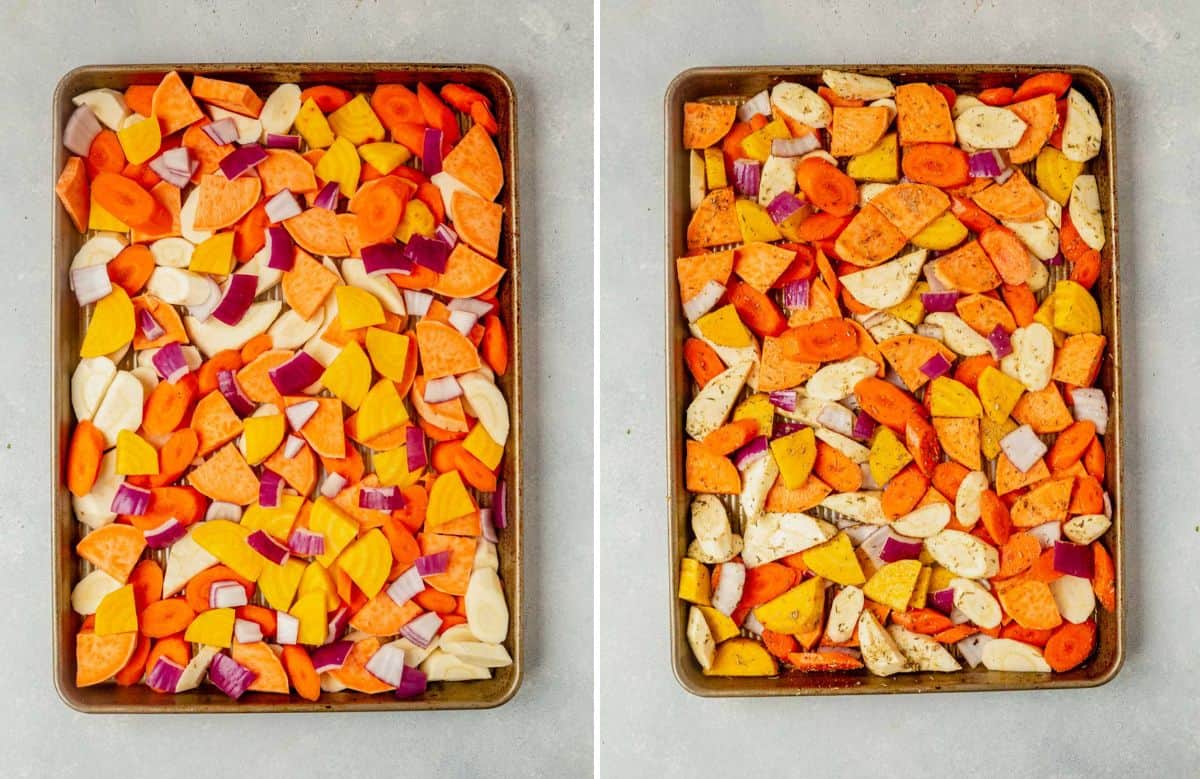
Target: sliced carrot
175 456
995 517
139 98
886 403
1007 253
105 155
823 341
731 436
756 310
1048 83
1032 636
926 621
196 593
74 192
437 114
1070 645
328 98
147 582
903 491
125 199
826 187
836 469
165 617
226 360
83 458
1104 577
168 405
173 648
379 206
1021 303
825 660
180 503
133 670
301 672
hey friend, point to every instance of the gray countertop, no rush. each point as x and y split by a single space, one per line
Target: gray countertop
544 46
1148 717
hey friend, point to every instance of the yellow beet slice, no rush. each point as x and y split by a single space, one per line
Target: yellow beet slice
756 223
724 327
117 612
720 625
316 578
382 411
448 500
795 454
358 308
999 393
888 456
479 444
226 541
276 522
213 627
951 398
392 468
367 562
141 140
135 455
796 611
313 126
310 610
835 560
356 122
759 408
695 582
214 255
349 375
893 584
742 657
882 163
263 435
384 156
278 583
112 325
388 352
340 163
338 528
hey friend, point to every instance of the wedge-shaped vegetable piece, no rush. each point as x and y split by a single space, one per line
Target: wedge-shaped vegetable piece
847 605
869 239
388 352
98 658
89 382
963 554
856 130
711 406
356 122
310 610
225 476
893 584
313 126
1047 502
90 591
1031 604
388 295
771 536
861 506
974 600
989 127
487 611
475 161
1040 237
482 447
484 400
111 326
358 308
1081 130
117 612
881 163
185 560
214 256
1005 654
911 207
1085 211
1056 174
742 657
711 528
756 484
367 562
212 335
1015 200
700 638
722 627
923 652
278 583
715 222
277 521
924 521
800 104
888 456
140 140
263 435
695 582
837 380
1075 598
316 578
444 351
212 628
114 549
888 284
835 560
382 410
941 234
338 528
856 86
853 450
349 375
998 393
1086 528
879 650
795 455
799 610
448 500
135 455
967 502
1032 359
226 541
442 666
340 163
951 398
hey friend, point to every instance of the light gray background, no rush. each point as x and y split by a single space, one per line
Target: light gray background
1146 721
545 47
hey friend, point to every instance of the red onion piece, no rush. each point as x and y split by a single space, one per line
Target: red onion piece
282 206
292 446
416 303
751 452
222 132
381 498
703 301
984 164
306 542
1073 559
943 600
746 177
1089 403
500 506
268 547
327 198
1000 341
246 631
276 141
331 656
228 384
897 548
219 509
81 129
838 418
1023 448
287 628
864 427
413 682
165 675
431 565
170 362
728 592
298 414
445 233
226 594
431 152
428 253
337 624
147 324
783 399
477 307
782 427
795 147
935 366
241 160
795 294
333 484
442 389
130 500
414 444
422 630
170 174
165 534
935 283
406 585
463 321
971 648
1046 534
486 527
229 676
237 299
758 105
387 665
782 206
91 283
270 489
1057 259
939 301
386 257
292 377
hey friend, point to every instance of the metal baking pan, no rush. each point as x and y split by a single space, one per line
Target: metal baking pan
66 332
728 84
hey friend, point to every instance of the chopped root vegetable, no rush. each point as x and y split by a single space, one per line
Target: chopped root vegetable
391 288
950 422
